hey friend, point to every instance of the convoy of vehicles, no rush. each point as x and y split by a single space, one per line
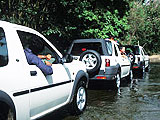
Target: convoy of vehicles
26 93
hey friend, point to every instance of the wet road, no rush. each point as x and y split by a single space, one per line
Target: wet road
138 100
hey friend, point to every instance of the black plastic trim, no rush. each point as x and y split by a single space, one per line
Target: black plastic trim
49 86
40 88
20 93
125 65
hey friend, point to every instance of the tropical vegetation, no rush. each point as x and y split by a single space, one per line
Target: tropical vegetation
62 21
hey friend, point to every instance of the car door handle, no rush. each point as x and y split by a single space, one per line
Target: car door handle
33 73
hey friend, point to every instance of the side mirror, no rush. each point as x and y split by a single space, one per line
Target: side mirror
67 59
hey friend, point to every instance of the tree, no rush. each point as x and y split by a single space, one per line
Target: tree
144 26
62 21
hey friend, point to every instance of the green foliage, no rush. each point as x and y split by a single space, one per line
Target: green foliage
145 26
65 20
104 24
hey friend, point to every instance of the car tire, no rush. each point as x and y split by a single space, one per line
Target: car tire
92 60
147 68
7 115
79 102
130 76
117 81
142 70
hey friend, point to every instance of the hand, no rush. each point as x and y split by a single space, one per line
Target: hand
48 57
42 56
48 63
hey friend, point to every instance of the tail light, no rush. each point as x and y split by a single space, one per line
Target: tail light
107 62
101 77
83 49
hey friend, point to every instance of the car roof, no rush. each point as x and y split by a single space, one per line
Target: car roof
88 40
93 40
132 46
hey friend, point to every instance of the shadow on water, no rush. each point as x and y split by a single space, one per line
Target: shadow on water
136 100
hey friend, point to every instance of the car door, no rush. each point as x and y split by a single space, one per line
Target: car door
46 92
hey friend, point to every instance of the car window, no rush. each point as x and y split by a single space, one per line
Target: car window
116 53
26 38
128 51
78 48
109 47
134 49
3 49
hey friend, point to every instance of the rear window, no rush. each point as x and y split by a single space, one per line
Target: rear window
3 49
134 49
78 48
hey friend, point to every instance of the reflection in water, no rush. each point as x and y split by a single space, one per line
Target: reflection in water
138 100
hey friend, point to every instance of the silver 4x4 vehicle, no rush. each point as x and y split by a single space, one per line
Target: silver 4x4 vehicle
141 58
25 92
102 58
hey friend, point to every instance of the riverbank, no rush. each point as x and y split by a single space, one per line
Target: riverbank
154 58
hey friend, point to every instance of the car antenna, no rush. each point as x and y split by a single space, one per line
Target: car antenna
144 44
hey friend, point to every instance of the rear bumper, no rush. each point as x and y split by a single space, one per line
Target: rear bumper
137 66
109 74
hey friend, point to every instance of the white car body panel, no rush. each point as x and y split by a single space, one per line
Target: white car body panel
35 100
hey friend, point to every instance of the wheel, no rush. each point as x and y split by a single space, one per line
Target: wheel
117 81
130 76
92 60
7 115
147 68
79 102
142 70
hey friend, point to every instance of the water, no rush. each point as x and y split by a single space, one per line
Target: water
138 100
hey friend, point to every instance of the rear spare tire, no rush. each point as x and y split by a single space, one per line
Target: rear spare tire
92 60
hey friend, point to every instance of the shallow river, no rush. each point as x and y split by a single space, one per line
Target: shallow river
138 100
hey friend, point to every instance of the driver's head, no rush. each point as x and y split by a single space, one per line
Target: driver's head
36 45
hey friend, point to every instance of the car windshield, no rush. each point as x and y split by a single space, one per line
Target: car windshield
78 48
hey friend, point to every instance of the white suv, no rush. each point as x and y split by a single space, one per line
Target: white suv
141 58
103 59
25 92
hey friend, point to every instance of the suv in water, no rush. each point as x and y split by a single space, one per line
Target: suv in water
103 59
25 92
141 58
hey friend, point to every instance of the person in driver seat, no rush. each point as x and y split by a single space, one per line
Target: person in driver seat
32 54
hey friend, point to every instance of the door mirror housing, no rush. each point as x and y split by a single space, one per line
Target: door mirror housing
67 58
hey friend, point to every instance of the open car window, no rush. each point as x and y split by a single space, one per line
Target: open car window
26 38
